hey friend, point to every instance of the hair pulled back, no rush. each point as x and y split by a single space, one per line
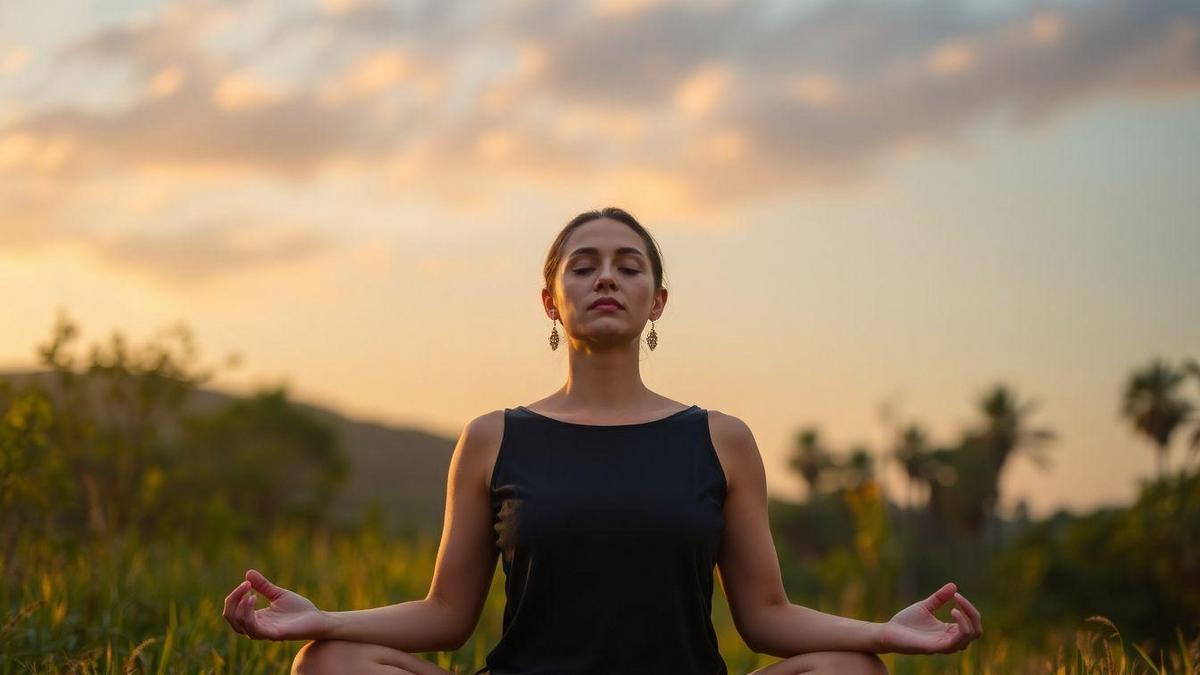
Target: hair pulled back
554 256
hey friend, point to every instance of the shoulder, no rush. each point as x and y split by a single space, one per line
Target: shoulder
486 427
479 444
728 429
735 446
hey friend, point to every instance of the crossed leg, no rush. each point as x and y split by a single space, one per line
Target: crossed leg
827 663
335 657
338 657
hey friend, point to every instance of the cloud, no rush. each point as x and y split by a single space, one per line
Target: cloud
13 59
196 115
699 103
721 103
208 250
199 110
30 212
39 214
818 97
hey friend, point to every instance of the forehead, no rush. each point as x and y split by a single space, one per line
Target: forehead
603 235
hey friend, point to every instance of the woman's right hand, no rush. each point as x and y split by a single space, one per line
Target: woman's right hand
291 616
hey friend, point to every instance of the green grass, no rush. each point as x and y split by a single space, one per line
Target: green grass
129 606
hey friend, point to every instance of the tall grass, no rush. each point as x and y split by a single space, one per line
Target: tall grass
128 606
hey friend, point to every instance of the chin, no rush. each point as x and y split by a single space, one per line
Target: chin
610 337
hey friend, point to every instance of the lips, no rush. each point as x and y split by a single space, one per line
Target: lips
605 301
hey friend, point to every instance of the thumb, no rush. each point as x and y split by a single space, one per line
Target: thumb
259 583
940 596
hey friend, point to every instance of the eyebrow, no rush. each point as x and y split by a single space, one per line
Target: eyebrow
585 250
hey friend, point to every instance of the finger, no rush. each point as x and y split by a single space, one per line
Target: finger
972 613
233 622
235 614
234 596
232 601
247 615
939 597
964 628
260 583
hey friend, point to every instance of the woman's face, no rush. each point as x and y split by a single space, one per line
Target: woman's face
604 258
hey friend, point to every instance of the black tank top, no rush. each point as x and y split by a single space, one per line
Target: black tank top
608 535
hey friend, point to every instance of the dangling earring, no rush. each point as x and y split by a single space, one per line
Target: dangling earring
652 338
554 335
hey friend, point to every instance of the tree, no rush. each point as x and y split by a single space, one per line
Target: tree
263 458
1151 402
962 482
859 467
1005 432
34 481
810 458
912 452
964 479
110 414
1005 429
1136 565
1192 367
111 447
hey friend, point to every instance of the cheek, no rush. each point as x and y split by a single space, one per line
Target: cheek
572 291
641 291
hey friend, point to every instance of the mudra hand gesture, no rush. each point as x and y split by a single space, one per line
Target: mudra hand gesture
915 630
290 616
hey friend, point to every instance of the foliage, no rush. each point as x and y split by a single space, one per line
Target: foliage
1138 566
125 521
127 604
255 463
1154 406
106 448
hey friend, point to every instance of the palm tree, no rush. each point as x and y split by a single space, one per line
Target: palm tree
860 466
810 459
964 479
912 452
941 477
962 490
1192 367
1005 430
1152 404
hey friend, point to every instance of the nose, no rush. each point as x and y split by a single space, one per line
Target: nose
606 277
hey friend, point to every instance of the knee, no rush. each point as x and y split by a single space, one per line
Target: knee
871 664
853 663
827 663
323 657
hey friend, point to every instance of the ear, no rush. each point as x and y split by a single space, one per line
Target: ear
659 304
548 305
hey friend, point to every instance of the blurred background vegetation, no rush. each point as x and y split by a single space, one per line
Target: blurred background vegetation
132 500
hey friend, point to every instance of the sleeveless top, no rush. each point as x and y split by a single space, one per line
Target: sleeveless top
608 536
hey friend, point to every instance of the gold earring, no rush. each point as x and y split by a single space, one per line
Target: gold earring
554 335
652 338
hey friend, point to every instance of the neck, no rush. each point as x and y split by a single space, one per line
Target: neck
610 379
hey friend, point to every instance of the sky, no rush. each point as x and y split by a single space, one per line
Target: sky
862 206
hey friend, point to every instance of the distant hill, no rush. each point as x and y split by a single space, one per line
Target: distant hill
403 470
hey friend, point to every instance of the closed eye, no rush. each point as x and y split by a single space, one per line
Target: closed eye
585 270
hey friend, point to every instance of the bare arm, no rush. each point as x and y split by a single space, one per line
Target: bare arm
414 626
749 565
466 560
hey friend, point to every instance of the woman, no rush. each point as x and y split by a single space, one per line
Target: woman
609 506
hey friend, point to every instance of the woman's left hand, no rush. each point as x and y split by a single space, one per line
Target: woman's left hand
915 630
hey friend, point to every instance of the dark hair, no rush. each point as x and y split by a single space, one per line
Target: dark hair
555 254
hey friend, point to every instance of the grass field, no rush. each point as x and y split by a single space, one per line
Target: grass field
155 607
